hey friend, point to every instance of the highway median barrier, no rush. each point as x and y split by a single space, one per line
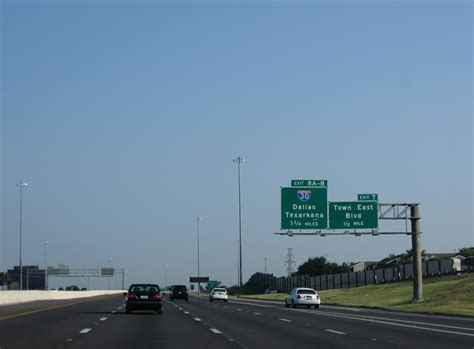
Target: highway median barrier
16 297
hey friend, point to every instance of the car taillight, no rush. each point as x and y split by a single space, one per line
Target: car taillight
157 297
299 297
317 296
131 296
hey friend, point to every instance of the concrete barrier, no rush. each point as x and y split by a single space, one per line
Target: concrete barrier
15 297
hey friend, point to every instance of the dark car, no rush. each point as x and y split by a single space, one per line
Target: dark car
143 297
179 292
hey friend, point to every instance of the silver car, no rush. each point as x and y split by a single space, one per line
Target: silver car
303 296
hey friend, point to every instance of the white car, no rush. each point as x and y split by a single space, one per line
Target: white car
218 294
303 296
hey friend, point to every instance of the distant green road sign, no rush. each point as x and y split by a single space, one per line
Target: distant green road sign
107 271
313 183
353 215
368 197
304 208
213 284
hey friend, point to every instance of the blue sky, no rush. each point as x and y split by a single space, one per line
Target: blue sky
125 119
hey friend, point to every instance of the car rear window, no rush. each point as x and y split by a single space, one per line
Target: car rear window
306 292
219 290
180 288
144 288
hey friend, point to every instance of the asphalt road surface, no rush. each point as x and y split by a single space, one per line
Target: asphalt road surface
103 323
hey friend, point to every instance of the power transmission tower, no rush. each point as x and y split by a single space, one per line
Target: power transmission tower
290 262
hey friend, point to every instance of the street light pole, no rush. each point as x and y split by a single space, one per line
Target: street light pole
110 264
239 160
198 219
166 276
45 265
238 262
265 266
21 185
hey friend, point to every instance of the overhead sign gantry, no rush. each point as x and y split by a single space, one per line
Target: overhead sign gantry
305 206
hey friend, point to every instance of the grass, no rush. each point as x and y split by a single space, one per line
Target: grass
450 295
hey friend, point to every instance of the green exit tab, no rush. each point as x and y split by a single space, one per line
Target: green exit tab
368 197
311 183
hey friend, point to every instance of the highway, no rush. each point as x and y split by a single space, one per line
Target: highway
102 323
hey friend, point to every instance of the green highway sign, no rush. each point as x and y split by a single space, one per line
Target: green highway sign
368 197
107 271
353 215
213 284
304 208
313 183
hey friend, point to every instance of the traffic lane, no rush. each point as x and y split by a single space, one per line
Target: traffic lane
172 329
442 320
389 333
255 327
392 329
52 327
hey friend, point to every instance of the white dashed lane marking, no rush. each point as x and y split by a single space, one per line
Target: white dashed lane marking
103 319
215 330
257 314
114 312
333 331
186 312
286 320
238 309
86 330
197 319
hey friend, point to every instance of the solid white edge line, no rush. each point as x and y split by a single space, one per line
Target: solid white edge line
401 320
334 331
85 330
399 325
215 330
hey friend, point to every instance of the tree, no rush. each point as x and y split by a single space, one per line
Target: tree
407 256
314 266
320 266
467 251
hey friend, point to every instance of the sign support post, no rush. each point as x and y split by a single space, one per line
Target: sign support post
416 253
